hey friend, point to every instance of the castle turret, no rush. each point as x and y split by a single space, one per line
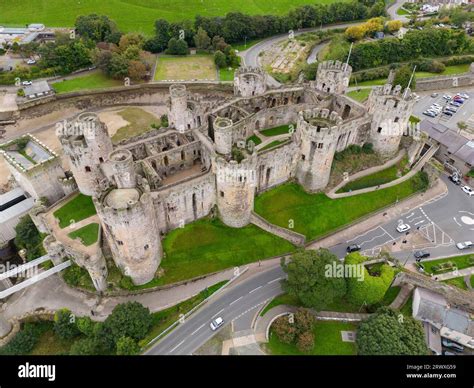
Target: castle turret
86 142
223 135
130 226
390 109
184 111
123 169
235 189
250 81
317 131
333 77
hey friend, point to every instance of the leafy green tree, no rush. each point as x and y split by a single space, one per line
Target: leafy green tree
98 28
284 330
201 39
177 47
305 342
402 77
65 324
162 33
308 279
84 347
388 332
86 326
118 66
129 319
28 237
127 346
220 59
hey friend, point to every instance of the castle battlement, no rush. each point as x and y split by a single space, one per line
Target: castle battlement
388 90
318 123
248 70
178 90
335 66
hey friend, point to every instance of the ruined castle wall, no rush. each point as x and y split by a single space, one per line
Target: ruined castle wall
184 202
276 166
445 82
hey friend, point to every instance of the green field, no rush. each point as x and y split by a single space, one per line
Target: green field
316 214
360 95
96 80
208 245
189 67
272 144
134 15
458 282
88 234
77 209
280 130
327 341
140 121
226 74
460 262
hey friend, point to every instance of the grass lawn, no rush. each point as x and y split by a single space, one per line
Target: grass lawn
360 95
244 46
256 140
378 178
279 300
460 262
135 15
457 282
401 11
407 308
88 234
226 74
140 121
165 318
390 295
49 344
96 80
78 208
316 214
187 67
208 245
281 130
327 341
272 144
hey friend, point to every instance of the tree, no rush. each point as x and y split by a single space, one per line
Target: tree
131 39
127 346
388 332
355 33
307 279
394 26
118 66
305 342
177 47
284 330
137 70
86 326
97 28
65 325
402 77
162 34
220 59
129 319
28 237
201 39
84 347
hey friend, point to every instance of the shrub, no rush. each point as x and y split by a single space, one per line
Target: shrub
84 347
127 346
129 319
284 330
305 342
65 324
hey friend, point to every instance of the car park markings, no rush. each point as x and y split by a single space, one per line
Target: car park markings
389 235
362 235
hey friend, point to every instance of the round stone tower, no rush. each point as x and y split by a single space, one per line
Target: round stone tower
235 189
223 135
317 133
86 142
390 109
184 112
250 81
130 226
123 169
333 77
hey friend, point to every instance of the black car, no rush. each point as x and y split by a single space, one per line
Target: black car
353 248
421 254
455 179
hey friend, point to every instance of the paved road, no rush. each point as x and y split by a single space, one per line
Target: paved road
239 301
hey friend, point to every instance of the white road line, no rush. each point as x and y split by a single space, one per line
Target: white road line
235 301
411 215
362 235
456 221
372 239
199 328
176 347
387 233
419 222
217 313
255 289
274 280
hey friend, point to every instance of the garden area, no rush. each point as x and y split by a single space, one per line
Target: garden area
379 178
435 267
88 234
95 80
77 209
315 215
207 246
189 67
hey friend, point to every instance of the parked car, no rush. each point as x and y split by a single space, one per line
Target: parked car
459 100
421 254
447 353
448 113
464 95
434 95
455 179
468 190
216 323
30 62
464 245
27 83
447 97
353 248
437 105
451 109
455 103
452 345
403 228
430 114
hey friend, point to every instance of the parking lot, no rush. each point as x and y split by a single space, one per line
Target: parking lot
465 112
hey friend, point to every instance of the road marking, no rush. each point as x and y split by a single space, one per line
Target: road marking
372 239
362 235
419 222
387 233
274 280
255 289
235 301
456 221
199 328
176 347
217 313
411 215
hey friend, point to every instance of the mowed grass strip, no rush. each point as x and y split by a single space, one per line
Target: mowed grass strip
327 341
316 214
208 245
88 234
360 95
460 262
187 67
96 80
135 15
280 130
77 209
